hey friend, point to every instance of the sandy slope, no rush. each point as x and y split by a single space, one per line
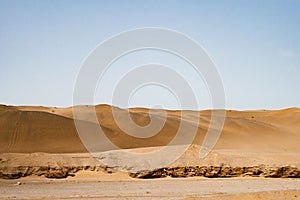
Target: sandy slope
39 142
248 138
52 130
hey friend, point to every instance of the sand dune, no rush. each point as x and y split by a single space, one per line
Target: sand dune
36 138
52 130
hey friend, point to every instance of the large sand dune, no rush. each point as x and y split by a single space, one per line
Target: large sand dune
52 130
44 141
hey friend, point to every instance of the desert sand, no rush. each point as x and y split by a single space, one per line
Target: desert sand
52 130
168 189
39 142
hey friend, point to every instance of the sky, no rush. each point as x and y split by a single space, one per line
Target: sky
255 46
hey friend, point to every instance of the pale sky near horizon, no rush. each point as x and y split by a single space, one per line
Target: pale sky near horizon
254 44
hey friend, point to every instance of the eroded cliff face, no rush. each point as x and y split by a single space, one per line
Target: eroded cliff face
224 171
49 171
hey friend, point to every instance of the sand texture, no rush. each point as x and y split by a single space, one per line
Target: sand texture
44 141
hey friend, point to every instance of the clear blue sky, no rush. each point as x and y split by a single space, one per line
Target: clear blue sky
254 44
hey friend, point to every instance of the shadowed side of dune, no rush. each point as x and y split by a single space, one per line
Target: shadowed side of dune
34 131
52 130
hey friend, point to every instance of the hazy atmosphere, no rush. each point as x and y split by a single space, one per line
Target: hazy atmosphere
254 44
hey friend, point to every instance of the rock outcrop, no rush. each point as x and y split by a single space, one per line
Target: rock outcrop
224 171
220 172
48 171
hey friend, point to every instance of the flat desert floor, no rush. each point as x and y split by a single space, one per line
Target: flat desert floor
119 187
